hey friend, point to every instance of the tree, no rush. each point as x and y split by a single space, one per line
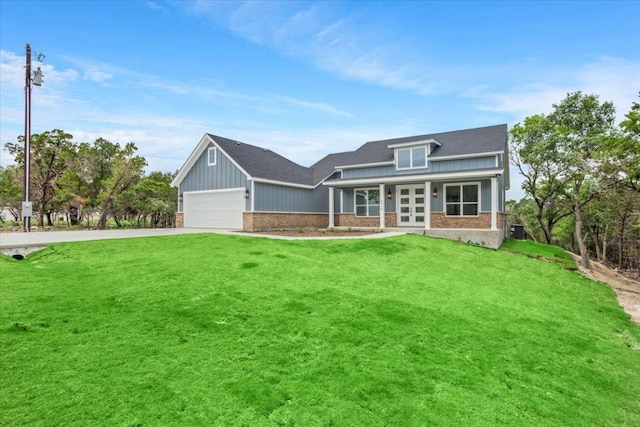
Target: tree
49 152
126 172
153 198
580 127
625 150
533 153
524 211
11 190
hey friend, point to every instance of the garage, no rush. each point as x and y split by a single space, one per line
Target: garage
214 209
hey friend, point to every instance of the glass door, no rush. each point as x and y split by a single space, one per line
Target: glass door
411 205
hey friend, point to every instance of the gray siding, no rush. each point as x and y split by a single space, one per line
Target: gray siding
277 198
462 164
370 172
434 167
204 177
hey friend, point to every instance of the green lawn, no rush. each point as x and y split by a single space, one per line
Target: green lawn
224 330
541 251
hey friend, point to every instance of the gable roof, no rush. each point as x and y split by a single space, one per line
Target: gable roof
265 164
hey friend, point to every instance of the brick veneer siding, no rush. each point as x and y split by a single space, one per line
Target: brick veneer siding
179 219
255 221
350 220
440 220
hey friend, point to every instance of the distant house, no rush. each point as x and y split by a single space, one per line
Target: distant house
449 184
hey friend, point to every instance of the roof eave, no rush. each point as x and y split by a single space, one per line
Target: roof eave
396 179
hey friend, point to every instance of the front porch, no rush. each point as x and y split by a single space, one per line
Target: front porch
424 205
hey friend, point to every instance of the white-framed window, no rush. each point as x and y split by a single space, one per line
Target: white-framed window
367 202
212 155
462 199
411 158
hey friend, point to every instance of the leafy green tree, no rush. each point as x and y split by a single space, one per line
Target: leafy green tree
49 152
580 127
153 198
126 172
626 150
11 190
524 212
533 153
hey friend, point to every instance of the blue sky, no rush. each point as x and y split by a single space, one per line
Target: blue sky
305 78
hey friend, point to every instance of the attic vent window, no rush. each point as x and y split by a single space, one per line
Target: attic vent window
211 156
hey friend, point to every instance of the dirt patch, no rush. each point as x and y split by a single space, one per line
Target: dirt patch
627 290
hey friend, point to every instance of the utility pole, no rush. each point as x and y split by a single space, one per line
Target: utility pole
30 80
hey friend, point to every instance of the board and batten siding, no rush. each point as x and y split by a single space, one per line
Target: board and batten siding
434 166
224 174
278 198
455 165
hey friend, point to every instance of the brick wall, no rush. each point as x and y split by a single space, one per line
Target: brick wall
179 219
351 220
440 220
254 221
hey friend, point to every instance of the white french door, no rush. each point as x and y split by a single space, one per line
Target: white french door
410 207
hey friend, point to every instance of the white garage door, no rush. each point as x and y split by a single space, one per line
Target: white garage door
214 209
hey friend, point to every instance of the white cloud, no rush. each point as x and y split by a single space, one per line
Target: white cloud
314 106
612 79
96 75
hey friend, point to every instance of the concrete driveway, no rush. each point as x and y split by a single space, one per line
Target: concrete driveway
43 238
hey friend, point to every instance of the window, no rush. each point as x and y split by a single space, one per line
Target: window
462 200
367 202
411 158
211 156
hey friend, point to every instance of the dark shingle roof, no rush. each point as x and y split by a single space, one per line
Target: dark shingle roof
460 142
263 163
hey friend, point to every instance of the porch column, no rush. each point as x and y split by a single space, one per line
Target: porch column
331 208
427 205
494 203
383 201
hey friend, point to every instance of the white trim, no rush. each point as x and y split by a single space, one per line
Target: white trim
410 149
427 205
284 184
195 155
290 213
253 196
355 205
494 203
331 207
465 156
366 165
381 207
215 155
395 179
478 184
219 190
341 200
414 143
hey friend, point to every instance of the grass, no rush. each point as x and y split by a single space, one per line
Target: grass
226 330
541 251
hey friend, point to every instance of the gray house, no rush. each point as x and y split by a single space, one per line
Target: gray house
449 184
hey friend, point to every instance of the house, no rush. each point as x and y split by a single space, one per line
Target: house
449 184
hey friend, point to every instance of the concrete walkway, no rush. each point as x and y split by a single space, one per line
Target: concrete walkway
43 238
